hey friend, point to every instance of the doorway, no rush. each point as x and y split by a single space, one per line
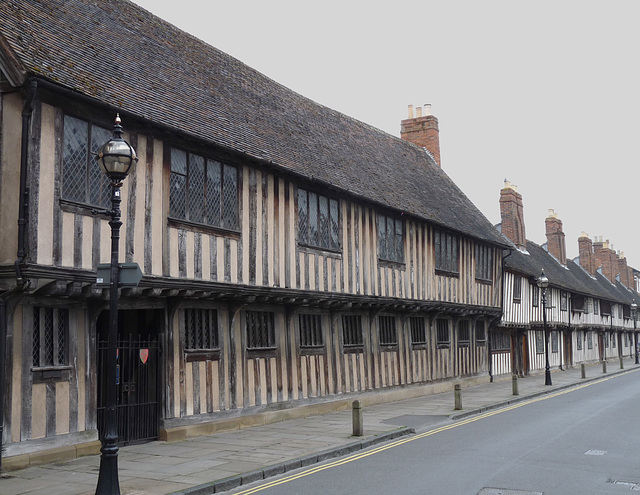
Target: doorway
137 375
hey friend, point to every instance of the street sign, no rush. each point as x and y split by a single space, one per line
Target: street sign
130 275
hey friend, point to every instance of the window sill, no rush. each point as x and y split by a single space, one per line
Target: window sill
389 347
484 281
419 346
353 349
202 355
328 252
45 374
446 273
203 228
82 208
400 265
262 352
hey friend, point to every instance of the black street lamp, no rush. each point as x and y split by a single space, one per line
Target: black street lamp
543 283
115 157
634 315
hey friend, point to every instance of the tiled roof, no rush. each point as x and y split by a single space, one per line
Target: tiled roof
572 278
120 54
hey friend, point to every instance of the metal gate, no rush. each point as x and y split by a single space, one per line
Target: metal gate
137 387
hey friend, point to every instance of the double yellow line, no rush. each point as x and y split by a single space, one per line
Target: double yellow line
402 441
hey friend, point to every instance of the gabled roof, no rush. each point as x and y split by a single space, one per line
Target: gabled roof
120 54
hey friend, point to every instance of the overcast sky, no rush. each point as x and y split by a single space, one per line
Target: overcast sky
544 93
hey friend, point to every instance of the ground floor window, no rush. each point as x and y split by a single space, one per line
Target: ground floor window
481 333
352 331
50 336
388 334
418 330
464 335
579 340
554 341
539 342
442 333
310 327
201 329
589 340
261 332
500 341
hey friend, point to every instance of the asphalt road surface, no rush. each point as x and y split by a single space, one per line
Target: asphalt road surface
583 441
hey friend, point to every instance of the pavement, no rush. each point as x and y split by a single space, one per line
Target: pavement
223 461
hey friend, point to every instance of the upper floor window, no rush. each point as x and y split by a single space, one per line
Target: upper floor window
82 179
517 288
418 330
50 337
484 262
318 220
535 295
388 334
447 249
203 191
390 239
596 306
563 301
310 330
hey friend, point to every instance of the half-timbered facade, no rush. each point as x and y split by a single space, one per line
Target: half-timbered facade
290 255
588 313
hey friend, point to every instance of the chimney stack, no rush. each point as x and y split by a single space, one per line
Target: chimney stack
623 271
555 238
605 258
585 252
422 130
512 214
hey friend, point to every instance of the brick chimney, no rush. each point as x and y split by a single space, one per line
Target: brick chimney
422 130
605 258
623 271
512 214
555 237
585 252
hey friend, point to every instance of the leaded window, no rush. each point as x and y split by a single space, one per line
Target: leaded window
484 262
318 220
500 341
418 330
310 327
596 306
443 334
261 333
481 332
464 334
554 341
517 288
203 191
539 342
50 337
447 251
589 340
388 333
563 301
201 329
82 179
352 331
390 239
579 337
535 295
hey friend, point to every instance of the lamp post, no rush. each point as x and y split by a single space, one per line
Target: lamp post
634 315
115 157
543 283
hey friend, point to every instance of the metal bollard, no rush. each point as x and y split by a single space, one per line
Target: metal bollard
583 371
457 394
621 363
514 384
356 416
604 366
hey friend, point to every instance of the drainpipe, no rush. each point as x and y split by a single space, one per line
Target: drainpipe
27 112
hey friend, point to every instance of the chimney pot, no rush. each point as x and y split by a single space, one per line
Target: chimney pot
418 112
410 112
427 109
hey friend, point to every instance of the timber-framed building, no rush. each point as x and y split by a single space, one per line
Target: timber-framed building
291 256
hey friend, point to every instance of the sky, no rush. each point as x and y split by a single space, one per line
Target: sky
544 93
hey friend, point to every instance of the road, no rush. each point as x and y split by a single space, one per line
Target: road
582 441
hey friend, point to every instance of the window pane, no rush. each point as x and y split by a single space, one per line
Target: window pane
99 187
390 239
335 224
382 237
195 193
74 177
303 216
177 192
213 192
178 161
323 230
313 218
399 256
230 199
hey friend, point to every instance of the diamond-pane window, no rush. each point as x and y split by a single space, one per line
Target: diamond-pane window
82 179
318 222
201 329
390 239
203 191
50 329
